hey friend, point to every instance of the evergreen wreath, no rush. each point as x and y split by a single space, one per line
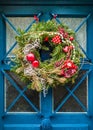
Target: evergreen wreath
61 63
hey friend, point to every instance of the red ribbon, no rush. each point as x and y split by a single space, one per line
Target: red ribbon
36 18
54 16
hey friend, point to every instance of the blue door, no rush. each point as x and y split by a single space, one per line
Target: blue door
64 108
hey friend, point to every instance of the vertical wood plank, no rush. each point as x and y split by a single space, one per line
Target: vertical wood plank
90 54
2 52
46 103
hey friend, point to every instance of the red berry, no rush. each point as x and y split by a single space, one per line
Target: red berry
71 38
71 47
46 39
30 57
56 39
66 49
35 64
65 35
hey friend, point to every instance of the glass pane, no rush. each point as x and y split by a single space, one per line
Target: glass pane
10 93
73 24
71 105
60 92
18 22
21 105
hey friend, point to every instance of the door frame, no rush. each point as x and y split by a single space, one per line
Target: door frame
80 9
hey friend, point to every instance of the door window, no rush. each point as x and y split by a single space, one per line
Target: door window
78 101
14 102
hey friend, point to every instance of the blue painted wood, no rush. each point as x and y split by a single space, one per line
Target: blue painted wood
90 54
54 126
70 127
2 51
46 104
50 2
34 118
21 127
59 119
64 11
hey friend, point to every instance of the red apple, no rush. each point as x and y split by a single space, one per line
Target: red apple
30 57
35 64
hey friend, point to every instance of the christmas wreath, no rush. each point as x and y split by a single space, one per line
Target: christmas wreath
47 55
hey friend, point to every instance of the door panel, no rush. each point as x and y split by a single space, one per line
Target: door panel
75 103
13 100
60 93
12 104
71 127
54 127
21 127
